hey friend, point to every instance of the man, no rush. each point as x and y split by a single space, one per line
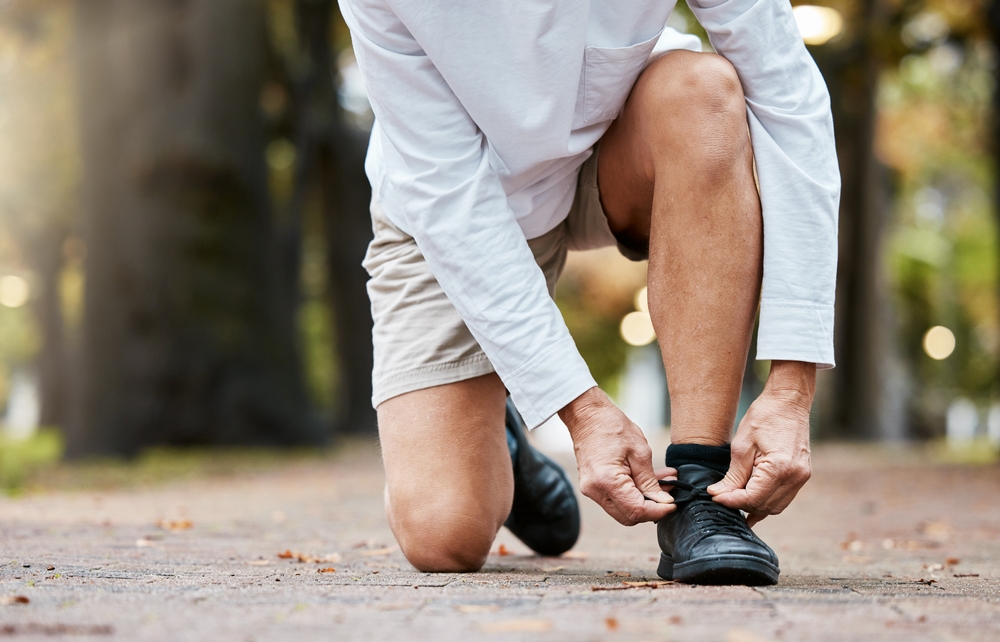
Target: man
509 131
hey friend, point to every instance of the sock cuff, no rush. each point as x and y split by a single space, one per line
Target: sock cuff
714 457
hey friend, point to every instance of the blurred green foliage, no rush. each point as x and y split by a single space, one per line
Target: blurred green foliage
21 459
935 132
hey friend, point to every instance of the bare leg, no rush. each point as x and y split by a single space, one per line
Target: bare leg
449 483
676 168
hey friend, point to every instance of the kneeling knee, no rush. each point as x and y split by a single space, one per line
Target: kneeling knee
443 542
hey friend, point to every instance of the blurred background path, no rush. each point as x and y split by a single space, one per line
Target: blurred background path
884 543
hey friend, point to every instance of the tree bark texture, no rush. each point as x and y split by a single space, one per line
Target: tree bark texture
861 400
188 335
332 152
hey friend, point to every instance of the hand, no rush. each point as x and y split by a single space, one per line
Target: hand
614 460
770 454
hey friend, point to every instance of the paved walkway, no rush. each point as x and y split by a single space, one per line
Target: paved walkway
882 545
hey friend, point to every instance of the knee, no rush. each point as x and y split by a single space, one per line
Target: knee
699 92
440 537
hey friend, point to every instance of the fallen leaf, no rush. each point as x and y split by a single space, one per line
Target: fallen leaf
328 569
937 531
965 575
952 561
378 551
51 568
477 608
515 626
574 555
611 623
851 538
632 585
7 600
175 524
503 550
619 574
309 559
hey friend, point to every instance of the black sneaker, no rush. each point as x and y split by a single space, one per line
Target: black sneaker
704 542
545 514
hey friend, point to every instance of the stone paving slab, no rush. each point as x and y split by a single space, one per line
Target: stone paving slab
882 544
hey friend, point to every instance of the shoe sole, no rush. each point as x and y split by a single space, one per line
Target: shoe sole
729 569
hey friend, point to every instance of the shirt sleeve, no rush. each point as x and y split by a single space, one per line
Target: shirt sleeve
791 128
439 175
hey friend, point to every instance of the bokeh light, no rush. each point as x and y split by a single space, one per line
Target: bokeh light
818 25
14 291
939 342
642 300
637 329
281 154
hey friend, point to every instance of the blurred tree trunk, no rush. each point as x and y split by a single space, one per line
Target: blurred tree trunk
332 153
346 199
859 402
52 360
993 18
188 333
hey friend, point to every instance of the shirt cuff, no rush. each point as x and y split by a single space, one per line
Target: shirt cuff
547 383
795 331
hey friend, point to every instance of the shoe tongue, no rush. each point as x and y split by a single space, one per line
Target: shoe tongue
698 476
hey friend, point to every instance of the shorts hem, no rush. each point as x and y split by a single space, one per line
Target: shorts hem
428 376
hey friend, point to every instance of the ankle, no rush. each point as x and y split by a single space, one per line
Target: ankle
716 457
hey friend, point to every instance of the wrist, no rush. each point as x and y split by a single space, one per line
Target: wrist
579 413
795 379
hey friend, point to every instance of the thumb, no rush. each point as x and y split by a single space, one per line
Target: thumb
647 482
740 470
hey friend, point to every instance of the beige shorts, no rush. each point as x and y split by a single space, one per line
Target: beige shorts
419 338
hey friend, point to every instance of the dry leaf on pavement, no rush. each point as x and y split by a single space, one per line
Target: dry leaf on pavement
175 524
307 558
631 585
378 551
328 569
7 600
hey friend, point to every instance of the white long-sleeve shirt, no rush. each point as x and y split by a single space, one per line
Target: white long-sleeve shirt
485 112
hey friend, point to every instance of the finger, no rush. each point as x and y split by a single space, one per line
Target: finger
740 470
632 507
754 518
764 494
646 480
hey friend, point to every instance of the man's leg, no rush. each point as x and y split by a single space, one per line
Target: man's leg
676 170
449 483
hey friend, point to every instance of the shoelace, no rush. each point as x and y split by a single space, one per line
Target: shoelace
711 516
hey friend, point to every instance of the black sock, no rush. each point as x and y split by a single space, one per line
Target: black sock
714 457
